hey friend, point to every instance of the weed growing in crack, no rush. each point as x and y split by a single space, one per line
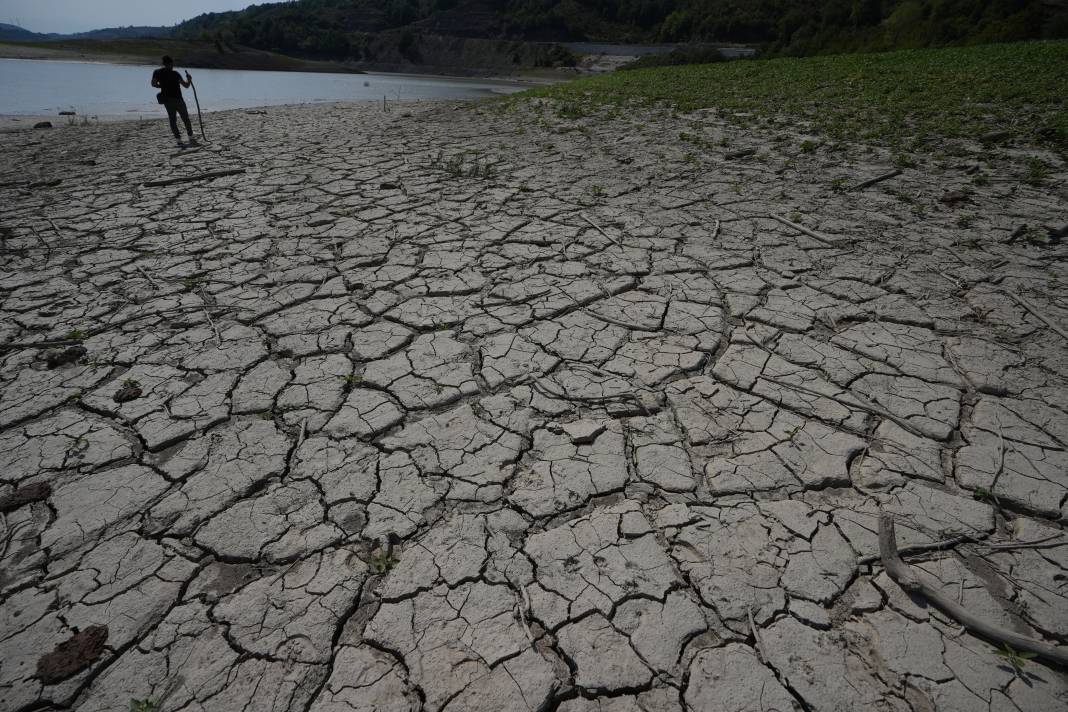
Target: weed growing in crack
75 335
77 447
457 166
903 161
838 185
808 146
1016 658
145 705
381 562
984 495
1037 172
965 221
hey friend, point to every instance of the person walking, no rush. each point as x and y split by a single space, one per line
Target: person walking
170 83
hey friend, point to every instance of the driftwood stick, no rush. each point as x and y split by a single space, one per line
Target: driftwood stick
597 227
911 582
877 179
802 229
1034 310
191 179
1050 542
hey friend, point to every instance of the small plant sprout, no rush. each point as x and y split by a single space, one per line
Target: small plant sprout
808 146
145 705
75 335
903 161
381 562
1037 172
1016 658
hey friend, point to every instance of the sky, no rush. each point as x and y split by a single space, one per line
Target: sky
67 16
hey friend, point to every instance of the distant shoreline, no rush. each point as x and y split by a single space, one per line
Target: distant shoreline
250 60
194 56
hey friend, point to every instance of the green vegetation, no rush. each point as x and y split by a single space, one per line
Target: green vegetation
906 98
785 25
341 28
1016 658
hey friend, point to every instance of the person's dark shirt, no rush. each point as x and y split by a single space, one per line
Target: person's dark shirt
170 82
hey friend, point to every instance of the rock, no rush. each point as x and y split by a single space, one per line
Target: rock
71 354
73 655
129 391
43 125
37 492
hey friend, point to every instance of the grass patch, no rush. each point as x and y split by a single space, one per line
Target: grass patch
896 98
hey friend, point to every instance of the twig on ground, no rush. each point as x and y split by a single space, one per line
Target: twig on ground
1048 542
877 179
523 611
44 245
144 274
811 233
597 227
1035 311
905 577
715 230
214 328
756 635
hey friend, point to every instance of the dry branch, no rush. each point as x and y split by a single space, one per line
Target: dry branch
911 582
877 179
802 229
598 228
1035 310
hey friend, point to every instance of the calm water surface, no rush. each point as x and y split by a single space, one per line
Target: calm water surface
32 87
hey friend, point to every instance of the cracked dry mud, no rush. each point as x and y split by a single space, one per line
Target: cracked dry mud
589 432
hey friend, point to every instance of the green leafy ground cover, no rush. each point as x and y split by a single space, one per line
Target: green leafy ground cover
908 97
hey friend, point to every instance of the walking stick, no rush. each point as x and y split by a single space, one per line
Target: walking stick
197 100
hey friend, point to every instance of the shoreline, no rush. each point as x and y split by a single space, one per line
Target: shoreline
286 64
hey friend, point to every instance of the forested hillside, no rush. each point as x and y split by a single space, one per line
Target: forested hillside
341 28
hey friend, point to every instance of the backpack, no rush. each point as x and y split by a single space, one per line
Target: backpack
160 99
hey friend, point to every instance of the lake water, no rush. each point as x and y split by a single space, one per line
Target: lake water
38 87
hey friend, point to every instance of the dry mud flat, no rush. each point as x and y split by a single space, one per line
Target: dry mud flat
587 431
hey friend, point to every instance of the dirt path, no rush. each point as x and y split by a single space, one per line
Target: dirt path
452 408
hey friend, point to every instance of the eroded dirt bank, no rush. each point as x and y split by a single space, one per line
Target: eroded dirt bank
455 408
